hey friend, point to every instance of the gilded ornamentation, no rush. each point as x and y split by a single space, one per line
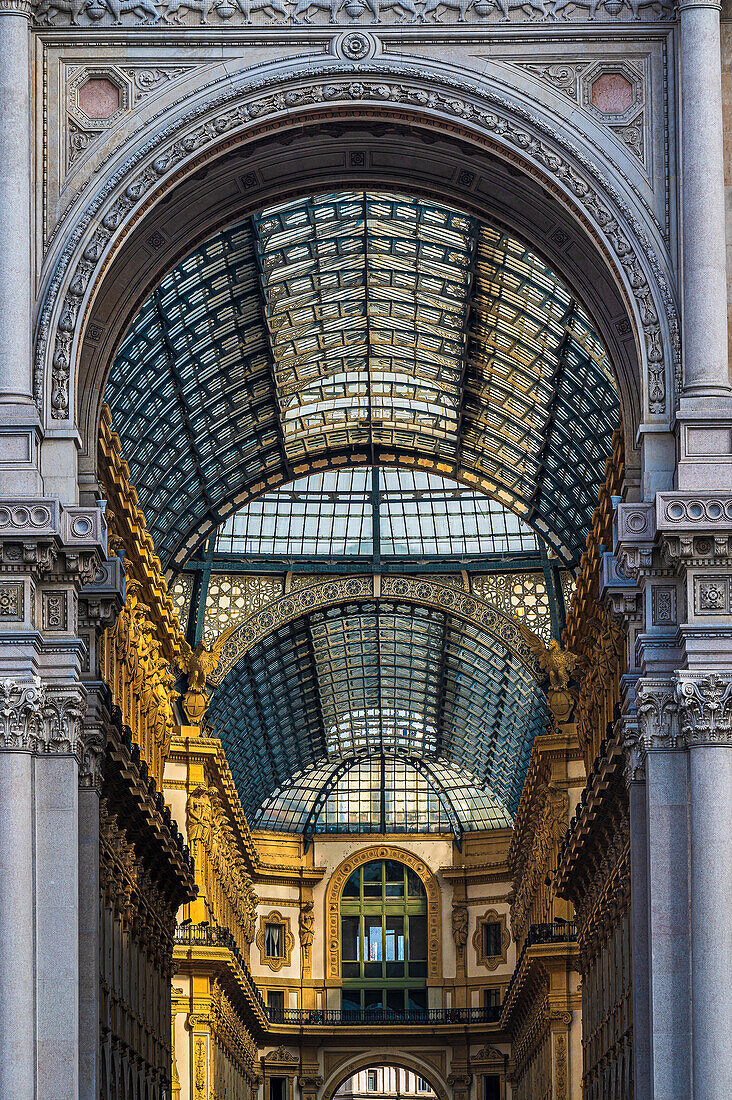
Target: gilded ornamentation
560 1064
306 926
460 926
199 1069
333 904
198 664
275 962
491 962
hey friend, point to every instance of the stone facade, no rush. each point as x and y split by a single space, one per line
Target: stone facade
597 130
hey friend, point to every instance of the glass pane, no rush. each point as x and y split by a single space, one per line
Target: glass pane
491 939
372 970
273 940
395 1000
277 1088
394 871
417 999
351 970
351 1000
492 1087
373 939
395 970
349 937
415 885
373 998
418 937
351 889
418 970
394 947
372 880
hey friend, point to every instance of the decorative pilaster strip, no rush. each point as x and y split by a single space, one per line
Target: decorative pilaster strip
704 702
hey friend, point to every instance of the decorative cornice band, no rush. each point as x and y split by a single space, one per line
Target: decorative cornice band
16 7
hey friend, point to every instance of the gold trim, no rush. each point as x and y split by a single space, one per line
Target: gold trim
491 962
275 917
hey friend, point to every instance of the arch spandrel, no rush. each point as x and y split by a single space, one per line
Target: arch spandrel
334 891
330 593
228 117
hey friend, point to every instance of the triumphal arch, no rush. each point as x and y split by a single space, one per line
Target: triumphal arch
365 550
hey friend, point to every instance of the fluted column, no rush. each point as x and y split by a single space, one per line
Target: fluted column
704 269
705 704
16 381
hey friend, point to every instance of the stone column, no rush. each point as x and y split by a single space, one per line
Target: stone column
17 1052
668 890
705 703
16 382
704 269
635 773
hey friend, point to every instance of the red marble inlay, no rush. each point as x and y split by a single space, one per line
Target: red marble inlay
612 93
99 98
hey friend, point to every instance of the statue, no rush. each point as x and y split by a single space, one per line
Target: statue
460 926
558 664
307 927
198 815
198 664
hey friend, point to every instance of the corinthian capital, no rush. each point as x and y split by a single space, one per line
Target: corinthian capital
41 718
705 707
657 710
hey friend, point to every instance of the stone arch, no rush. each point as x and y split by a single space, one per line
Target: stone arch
402 1060
614 224
328 593
333 906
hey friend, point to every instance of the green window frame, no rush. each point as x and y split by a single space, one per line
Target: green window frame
384 943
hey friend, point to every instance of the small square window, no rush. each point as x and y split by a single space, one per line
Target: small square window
492 939
372 1082
274 941
491 998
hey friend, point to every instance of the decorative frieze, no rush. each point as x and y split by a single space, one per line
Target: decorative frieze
41 718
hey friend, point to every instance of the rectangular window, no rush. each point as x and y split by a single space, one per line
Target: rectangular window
491 998
372 1082
491 939
274 945
276 1001
278 1088
491 1087
349 938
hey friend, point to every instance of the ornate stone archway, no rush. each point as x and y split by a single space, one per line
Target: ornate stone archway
615 224
333 908
350 1065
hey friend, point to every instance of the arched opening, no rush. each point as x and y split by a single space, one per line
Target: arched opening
399 1074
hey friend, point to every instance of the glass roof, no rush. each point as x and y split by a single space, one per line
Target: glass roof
382 793
339 512
377 677
369 327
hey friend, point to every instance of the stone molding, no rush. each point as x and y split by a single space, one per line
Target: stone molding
693 510
657 712
40 718
41 536
244 103
275 962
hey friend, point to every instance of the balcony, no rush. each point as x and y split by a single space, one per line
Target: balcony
561 936
336 1017
215 936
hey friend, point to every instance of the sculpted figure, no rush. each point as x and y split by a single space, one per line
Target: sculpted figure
198 814
558 663
200 662
307 925
460 925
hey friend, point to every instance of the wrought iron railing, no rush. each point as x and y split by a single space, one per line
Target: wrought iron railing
214 935
337 1017
564 931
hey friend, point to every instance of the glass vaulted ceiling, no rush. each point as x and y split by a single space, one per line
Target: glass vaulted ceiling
372 327
373 382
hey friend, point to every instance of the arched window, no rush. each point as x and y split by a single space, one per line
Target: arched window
384 939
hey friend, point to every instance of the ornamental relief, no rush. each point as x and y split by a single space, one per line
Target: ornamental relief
333 905
283 957
100 13
331 592
537 144
491 962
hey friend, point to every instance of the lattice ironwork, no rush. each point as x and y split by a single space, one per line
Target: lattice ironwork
365 678
233 597
368 326
522 595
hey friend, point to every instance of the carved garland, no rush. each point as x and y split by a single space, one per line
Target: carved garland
333 905
104 224
329 593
